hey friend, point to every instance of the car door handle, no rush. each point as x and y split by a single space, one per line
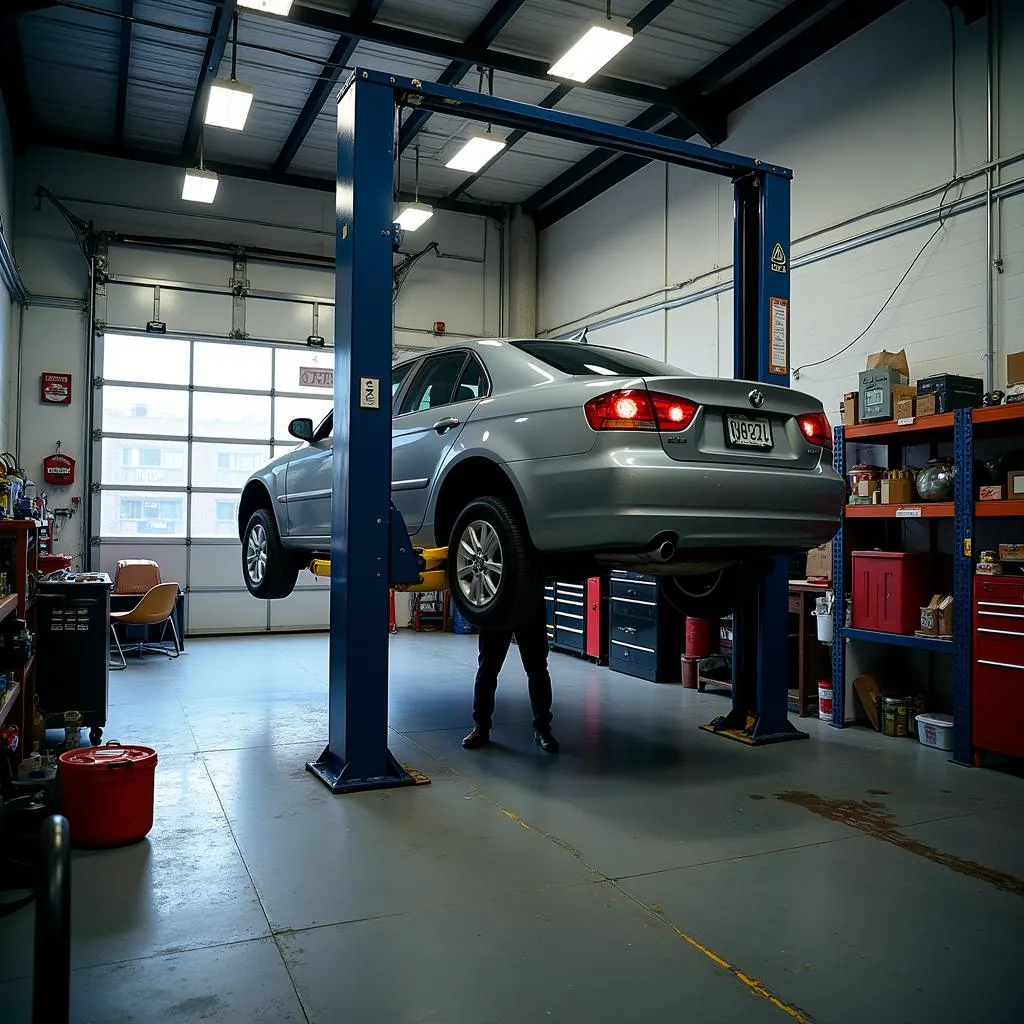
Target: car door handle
446 424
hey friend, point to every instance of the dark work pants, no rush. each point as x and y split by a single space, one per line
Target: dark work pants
532 641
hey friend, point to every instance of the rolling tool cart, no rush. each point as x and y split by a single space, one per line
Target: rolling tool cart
72 656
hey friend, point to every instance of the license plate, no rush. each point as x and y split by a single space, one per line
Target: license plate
748 432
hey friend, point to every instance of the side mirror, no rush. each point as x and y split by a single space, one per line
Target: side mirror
301 428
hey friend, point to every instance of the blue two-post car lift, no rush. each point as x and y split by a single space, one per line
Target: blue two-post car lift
370 547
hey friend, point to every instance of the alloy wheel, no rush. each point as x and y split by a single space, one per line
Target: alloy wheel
256 554
479 563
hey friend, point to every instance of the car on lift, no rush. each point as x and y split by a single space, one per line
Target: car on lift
533 459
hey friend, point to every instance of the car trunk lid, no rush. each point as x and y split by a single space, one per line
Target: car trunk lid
741 422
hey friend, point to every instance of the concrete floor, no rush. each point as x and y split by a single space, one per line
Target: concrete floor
650 872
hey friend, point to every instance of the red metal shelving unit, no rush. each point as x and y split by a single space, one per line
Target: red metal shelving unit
922 510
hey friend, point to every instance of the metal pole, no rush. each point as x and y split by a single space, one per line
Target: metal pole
51 972
357 755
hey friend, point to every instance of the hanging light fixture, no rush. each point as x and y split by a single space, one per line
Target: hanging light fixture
480 148
602 41
281 7
229 101
200 185
414 215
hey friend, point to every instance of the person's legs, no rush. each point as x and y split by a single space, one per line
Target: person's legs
532 640
492 648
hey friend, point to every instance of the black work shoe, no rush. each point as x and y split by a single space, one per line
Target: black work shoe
476 738
546 741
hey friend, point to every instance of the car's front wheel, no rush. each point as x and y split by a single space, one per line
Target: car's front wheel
268 568
494 573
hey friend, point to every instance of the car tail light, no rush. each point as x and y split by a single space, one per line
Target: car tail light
816 429
634 409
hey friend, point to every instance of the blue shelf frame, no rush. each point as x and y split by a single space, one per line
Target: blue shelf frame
963 575
920 643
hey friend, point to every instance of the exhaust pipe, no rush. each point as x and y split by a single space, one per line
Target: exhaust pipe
664 552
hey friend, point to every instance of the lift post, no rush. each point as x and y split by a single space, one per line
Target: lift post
370 549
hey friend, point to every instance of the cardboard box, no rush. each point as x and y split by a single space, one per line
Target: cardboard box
1015 368
819 562
1011 552
930 617
1015 484
989 569
897 492
903 409
850 409
951 391
867 489
946 616
990 492
925 405
895 360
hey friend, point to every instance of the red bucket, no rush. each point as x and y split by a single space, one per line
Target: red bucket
108 793
701 637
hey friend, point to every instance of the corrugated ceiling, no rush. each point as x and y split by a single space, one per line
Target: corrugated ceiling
72 62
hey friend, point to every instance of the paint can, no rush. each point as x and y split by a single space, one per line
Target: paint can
894 716
825 700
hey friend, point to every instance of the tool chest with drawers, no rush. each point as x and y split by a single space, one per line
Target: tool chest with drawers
644 632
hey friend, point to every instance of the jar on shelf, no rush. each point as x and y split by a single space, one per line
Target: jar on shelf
862 472
935 481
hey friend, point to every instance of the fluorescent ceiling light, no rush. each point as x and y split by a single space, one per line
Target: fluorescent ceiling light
228 105
413 216
602 41
200 186
476 152
281 7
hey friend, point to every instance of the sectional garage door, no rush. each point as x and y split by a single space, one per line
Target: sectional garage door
180 420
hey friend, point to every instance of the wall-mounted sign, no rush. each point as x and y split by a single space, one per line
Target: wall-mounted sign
55 388
59 469
315 377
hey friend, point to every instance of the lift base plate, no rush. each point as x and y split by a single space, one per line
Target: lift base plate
330 770
744 730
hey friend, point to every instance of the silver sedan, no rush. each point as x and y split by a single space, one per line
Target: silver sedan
531 459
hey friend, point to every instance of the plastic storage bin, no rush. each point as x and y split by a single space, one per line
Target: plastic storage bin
935 731
108 793
888 590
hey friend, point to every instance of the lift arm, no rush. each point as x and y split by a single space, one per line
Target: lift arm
432 573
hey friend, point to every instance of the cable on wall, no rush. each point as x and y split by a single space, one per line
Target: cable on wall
943 216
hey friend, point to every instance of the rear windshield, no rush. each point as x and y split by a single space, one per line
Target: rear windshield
582 360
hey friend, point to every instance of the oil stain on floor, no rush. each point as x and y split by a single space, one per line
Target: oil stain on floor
873 819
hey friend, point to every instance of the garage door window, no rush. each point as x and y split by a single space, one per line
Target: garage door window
183 425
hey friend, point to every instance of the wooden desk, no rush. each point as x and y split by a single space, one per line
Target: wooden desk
813 659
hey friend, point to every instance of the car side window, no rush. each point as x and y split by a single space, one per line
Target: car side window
434 384
473 382
398 375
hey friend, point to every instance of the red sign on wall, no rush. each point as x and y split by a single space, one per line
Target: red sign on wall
55 388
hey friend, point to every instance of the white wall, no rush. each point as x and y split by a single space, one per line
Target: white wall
866 125
8 311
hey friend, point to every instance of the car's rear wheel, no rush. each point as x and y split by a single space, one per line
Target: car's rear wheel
494 574
268 568
707 595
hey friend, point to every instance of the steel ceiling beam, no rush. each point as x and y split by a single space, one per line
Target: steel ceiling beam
220 26
499 15
364 13
14 82
231 170
328 20
590 177
124 60
642 19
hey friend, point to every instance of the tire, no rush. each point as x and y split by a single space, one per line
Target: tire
273 576
494 574
708 595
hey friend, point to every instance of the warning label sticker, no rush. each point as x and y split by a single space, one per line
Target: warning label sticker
779 259
778 361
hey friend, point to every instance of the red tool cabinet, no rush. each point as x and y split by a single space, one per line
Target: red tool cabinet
998 674
889 588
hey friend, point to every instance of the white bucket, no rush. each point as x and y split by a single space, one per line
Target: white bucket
825 698
935 731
